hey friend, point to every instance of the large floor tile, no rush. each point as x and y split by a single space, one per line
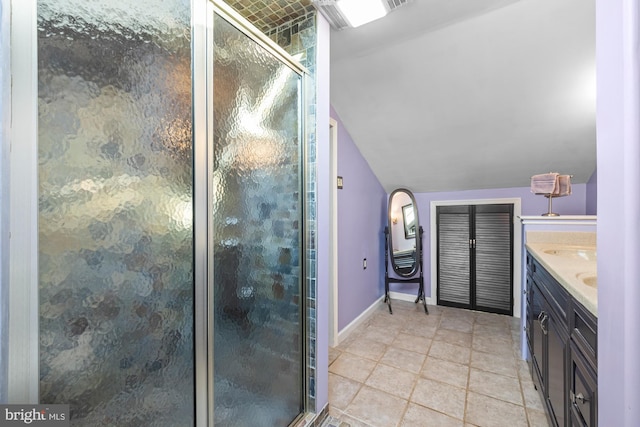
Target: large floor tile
387 321
342 390
497 386
485 411
333 354
450 352
413 343
403 359
462 339
446 372
445 368
351 366
524 370
441 397
377 408
492 319
537 418
501 345
457 324
496 363
420 329
532 397
492 330
382 335
419 416
392 380
367 348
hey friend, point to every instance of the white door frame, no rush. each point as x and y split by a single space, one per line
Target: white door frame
23 337
517 245
333 233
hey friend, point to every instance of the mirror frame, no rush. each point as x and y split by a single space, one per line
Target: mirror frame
405 271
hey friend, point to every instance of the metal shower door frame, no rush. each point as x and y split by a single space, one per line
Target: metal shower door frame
203 13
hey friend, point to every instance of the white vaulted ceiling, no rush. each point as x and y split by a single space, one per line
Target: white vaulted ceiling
446 95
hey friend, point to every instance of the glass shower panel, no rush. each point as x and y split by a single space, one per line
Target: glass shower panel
115 211
257 221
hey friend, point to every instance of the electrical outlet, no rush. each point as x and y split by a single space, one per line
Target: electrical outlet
364 263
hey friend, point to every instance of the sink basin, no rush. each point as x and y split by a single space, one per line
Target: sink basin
584 254
588 279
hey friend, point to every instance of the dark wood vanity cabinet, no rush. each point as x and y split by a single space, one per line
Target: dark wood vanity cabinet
562 340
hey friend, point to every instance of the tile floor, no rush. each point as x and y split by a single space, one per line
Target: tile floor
453 367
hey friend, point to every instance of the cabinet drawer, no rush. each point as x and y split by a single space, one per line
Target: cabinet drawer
584 333
583 395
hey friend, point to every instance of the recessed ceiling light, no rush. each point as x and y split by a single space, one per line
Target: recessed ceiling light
359 12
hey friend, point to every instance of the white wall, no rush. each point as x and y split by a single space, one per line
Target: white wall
5 117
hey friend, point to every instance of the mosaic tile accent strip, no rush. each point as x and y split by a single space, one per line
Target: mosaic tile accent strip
267 15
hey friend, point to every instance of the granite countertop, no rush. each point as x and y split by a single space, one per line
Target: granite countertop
567 269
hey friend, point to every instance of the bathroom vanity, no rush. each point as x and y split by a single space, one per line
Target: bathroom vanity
561 326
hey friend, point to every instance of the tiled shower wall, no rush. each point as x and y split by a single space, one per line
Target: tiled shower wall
299 39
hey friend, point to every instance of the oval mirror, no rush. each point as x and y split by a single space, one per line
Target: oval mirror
404 227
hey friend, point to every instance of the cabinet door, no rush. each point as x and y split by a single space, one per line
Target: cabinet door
493 264
557 353
454 256
529 314
537 314
576 419
475 257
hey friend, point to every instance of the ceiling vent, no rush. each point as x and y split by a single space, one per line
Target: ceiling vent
338 21
394 4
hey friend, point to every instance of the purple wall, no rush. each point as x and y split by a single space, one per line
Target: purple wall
530 204
618 130
362 215
322 237
592 194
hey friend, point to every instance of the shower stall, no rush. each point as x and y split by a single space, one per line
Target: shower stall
171 252
257 216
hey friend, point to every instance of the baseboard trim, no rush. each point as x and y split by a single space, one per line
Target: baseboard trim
347 330
400 296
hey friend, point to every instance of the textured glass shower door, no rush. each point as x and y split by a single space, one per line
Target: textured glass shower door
257 233
115 153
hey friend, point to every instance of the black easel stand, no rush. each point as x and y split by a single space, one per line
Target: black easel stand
419 280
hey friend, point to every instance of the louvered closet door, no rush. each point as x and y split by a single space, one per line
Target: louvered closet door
454 263
493 260
475 262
